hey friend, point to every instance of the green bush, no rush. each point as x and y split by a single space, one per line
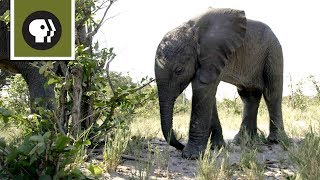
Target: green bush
41 156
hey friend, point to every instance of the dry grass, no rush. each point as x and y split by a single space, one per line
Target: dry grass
151 128
306 156
296 122
297 126
213 165
250 166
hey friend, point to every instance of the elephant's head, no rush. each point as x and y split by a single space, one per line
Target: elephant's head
197 50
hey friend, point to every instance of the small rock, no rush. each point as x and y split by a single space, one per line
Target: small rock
271 161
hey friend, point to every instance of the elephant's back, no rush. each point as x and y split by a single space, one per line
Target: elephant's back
259 33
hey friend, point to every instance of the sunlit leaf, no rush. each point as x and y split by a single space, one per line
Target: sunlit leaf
52 81
62 142
94 169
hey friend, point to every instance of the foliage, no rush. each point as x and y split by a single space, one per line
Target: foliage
208 166
316 86
231 105
251 167
151 106
14 96
297 98
5 17
48 155
92 102
115 147
307 156
182 104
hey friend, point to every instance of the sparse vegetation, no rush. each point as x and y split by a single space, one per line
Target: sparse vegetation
136 139
115 147
214 165
250 166
122 118
306 155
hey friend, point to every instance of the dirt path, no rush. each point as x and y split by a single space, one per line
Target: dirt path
160 161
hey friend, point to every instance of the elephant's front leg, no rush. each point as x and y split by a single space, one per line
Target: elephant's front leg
203 103
216 129
251 100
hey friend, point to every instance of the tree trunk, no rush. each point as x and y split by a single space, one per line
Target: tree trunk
77 94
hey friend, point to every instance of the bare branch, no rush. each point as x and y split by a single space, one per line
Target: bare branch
144 85
60 128
110 18
92 33
107 66
87 16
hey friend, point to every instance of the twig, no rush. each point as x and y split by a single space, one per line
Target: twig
59 124
63 102
107 66
92 33
141 87
132 158
110 18
88 16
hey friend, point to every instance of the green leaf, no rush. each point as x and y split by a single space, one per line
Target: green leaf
100 104
76 172
13 155
38 149
5 119
94 169
87 143
37 138
45 177
2 142
20 177
96 46
52 81
5 17
46 136
62 142
25 147
50 64
42 69
6 112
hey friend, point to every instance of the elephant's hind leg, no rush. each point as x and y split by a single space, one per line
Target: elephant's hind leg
276 129
251 99
272 93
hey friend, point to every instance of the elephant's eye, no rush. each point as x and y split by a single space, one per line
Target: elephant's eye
179 70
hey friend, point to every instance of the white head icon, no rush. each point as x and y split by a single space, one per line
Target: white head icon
39 29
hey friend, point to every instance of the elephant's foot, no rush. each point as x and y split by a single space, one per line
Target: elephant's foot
245 137
276 137
193 151
217 142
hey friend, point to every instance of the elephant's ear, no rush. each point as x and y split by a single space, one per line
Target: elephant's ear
220 32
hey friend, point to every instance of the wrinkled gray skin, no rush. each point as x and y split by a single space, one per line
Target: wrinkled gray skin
31 74
219 45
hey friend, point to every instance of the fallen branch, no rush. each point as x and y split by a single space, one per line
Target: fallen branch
132 158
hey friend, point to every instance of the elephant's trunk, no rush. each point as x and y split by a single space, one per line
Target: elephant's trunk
166 111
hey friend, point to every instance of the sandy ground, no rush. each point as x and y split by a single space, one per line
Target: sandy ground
274 158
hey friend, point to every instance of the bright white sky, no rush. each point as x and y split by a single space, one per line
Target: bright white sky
136 32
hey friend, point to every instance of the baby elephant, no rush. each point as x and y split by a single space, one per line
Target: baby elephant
219 45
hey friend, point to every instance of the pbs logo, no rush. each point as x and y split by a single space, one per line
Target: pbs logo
41 30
